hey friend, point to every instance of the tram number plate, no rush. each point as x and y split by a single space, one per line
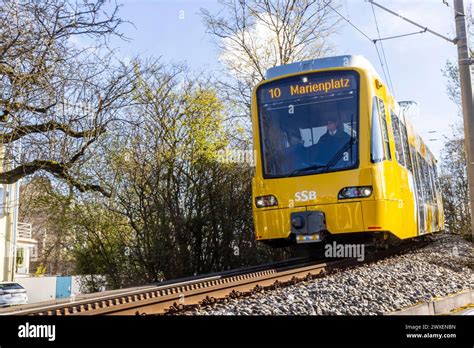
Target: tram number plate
308 238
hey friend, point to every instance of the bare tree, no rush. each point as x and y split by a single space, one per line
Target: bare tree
254 35
453 168
60 87
177 207
453 181
453 87
451 71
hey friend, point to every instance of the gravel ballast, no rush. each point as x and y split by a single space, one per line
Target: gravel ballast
442 268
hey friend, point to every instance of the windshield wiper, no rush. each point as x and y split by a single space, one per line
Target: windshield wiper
330 163
339 154
305 169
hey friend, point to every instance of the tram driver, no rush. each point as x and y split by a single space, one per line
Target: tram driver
332 141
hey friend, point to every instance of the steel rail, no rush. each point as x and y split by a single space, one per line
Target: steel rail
160 299
52 307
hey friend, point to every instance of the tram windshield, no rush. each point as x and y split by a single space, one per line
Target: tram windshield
309 124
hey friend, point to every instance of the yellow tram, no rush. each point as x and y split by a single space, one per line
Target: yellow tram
337 158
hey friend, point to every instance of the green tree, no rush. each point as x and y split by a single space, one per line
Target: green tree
174 209
189 212
48 209
103 245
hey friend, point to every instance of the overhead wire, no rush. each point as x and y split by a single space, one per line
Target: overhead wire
385 66
402 35
367 37
348 21
383 51
454 41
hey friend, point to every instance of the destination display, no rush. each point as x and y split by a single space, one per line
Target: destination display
306 86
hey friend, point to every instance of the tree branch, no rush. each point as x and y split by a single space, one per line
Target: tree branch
50 126
59 170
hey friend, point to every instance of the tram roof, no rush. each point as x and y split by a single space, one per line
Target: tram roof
356 61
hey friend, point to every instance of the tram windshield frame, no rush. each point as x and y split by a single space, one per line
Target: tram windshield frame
295 115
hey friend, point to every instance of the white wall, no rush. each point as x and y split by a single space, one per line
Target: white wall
75 285
38 288
44 288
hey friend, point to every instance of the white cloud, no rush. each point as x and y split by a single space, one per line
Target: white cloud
261 40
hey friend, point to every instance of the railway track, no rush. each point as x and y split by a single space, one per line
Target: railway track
178 295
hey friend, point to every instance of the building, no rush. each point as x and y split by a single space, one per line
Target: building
26 250
15 239
8 229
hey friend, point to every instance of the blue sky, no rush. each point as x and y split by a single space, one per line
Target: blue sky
173 30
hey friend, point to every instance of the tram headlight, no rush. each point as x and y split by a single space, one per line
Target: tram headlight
266 201
355 192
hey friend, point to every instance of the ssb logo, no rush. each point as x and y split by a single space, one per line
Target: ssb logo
304 196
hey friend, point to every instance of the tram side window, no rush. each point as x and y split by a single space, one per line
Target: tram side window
436 179
430 179
398 139
406 146
385 129
433 181
376 144
426 179
417 171
422 176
